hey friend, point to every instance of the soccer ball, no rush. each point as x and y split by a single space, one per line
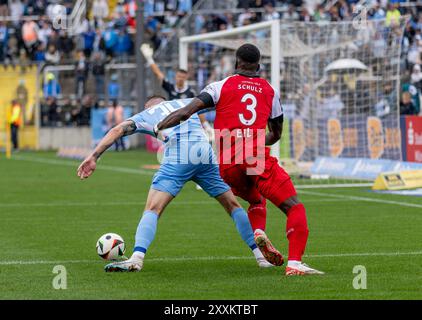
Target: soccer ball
111 246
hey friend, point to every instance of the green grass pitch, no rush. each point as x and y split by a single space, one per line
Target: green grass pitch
49 217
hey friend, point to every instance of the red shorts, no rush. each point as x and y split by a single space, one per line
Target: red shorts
273 184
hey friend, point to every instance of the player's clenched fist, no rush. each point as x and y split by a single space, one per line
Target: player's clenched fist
87 167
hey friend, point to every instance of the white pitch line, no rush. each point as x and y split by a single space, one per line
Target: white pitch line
75 165
211 258
94 204
375 200
333 186
149 173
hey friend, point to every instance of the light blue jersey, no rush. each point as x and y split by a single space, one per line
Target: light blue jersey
187 154
178 140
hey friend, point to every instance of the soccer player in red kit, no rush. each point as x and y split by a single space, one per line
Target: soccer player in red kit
245 105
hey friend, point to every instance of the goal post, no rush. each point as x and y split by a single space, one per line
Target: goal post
339 85
270 49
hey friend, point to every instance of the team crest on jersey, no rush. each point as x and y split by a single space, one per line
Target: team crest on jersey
335 137
375 134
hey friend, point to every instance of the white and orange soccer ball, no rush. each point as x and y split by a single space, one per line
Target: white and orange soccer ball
111 246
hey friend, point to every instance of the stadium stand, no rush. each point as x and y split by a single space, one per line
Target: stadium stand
95 63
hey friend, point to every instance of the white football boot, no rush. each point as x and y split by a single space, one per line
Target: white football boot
130 265
262 263
301 269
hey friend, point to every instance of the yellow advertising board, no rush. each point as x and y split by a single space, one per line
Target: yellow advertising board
375 134
335 137
402 180
19 83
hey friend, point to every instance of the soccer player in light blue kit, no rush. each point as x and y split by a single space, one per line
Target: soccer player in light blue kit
187 156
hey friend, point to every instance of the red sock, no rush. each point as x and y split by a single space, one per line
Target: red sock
297 232
257 214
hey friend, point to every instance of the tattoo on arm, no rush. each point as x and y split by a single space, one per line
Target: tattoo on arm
124 129
97 155
129 127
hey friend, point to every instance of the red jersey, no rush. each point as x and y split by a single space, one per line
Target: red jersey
243 107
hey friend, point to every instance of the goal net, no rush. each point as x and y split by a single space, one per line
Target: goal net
339 85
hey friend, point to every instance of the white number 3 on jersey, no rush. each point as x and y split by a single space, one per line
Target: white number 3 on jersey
250 107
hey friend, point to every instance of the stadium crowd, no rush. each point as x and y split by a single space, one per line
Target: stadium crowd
106 33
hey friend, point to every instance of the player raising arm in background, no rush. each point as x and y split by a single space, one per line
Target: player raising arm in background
177 168
245 104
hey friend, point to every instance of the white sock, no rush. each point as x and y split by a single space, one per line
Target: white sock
137 255
257 253
293 263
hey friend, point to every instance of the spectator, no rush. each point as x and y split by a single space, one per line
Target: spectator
81 73
4 9
51 86
393 15
39 55
98 71
114 88
100 10
331 106
377 12
52 55
115 116
98 45
85 111
123 46
270 13
291 14
202 74
185 6
75 107
88 38
179 90
30 36
4 38
130 11
414 96
16 9
44 32
65 45
304 15
110 40
416 77
320 14
407 106
15 122
413 55
52 112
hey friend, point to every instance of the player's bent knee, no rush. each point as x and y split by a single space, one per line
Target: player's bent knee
289 203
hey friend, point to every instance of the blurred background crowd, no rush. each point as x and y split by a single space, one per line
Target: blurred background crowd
28 35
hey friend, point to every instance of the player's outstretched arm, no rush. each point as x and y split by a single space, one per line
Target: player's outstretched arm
275 129
89 165
180 115
148 53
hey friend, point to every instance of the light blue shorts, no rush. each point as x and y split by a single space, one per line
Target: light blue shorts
171 178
